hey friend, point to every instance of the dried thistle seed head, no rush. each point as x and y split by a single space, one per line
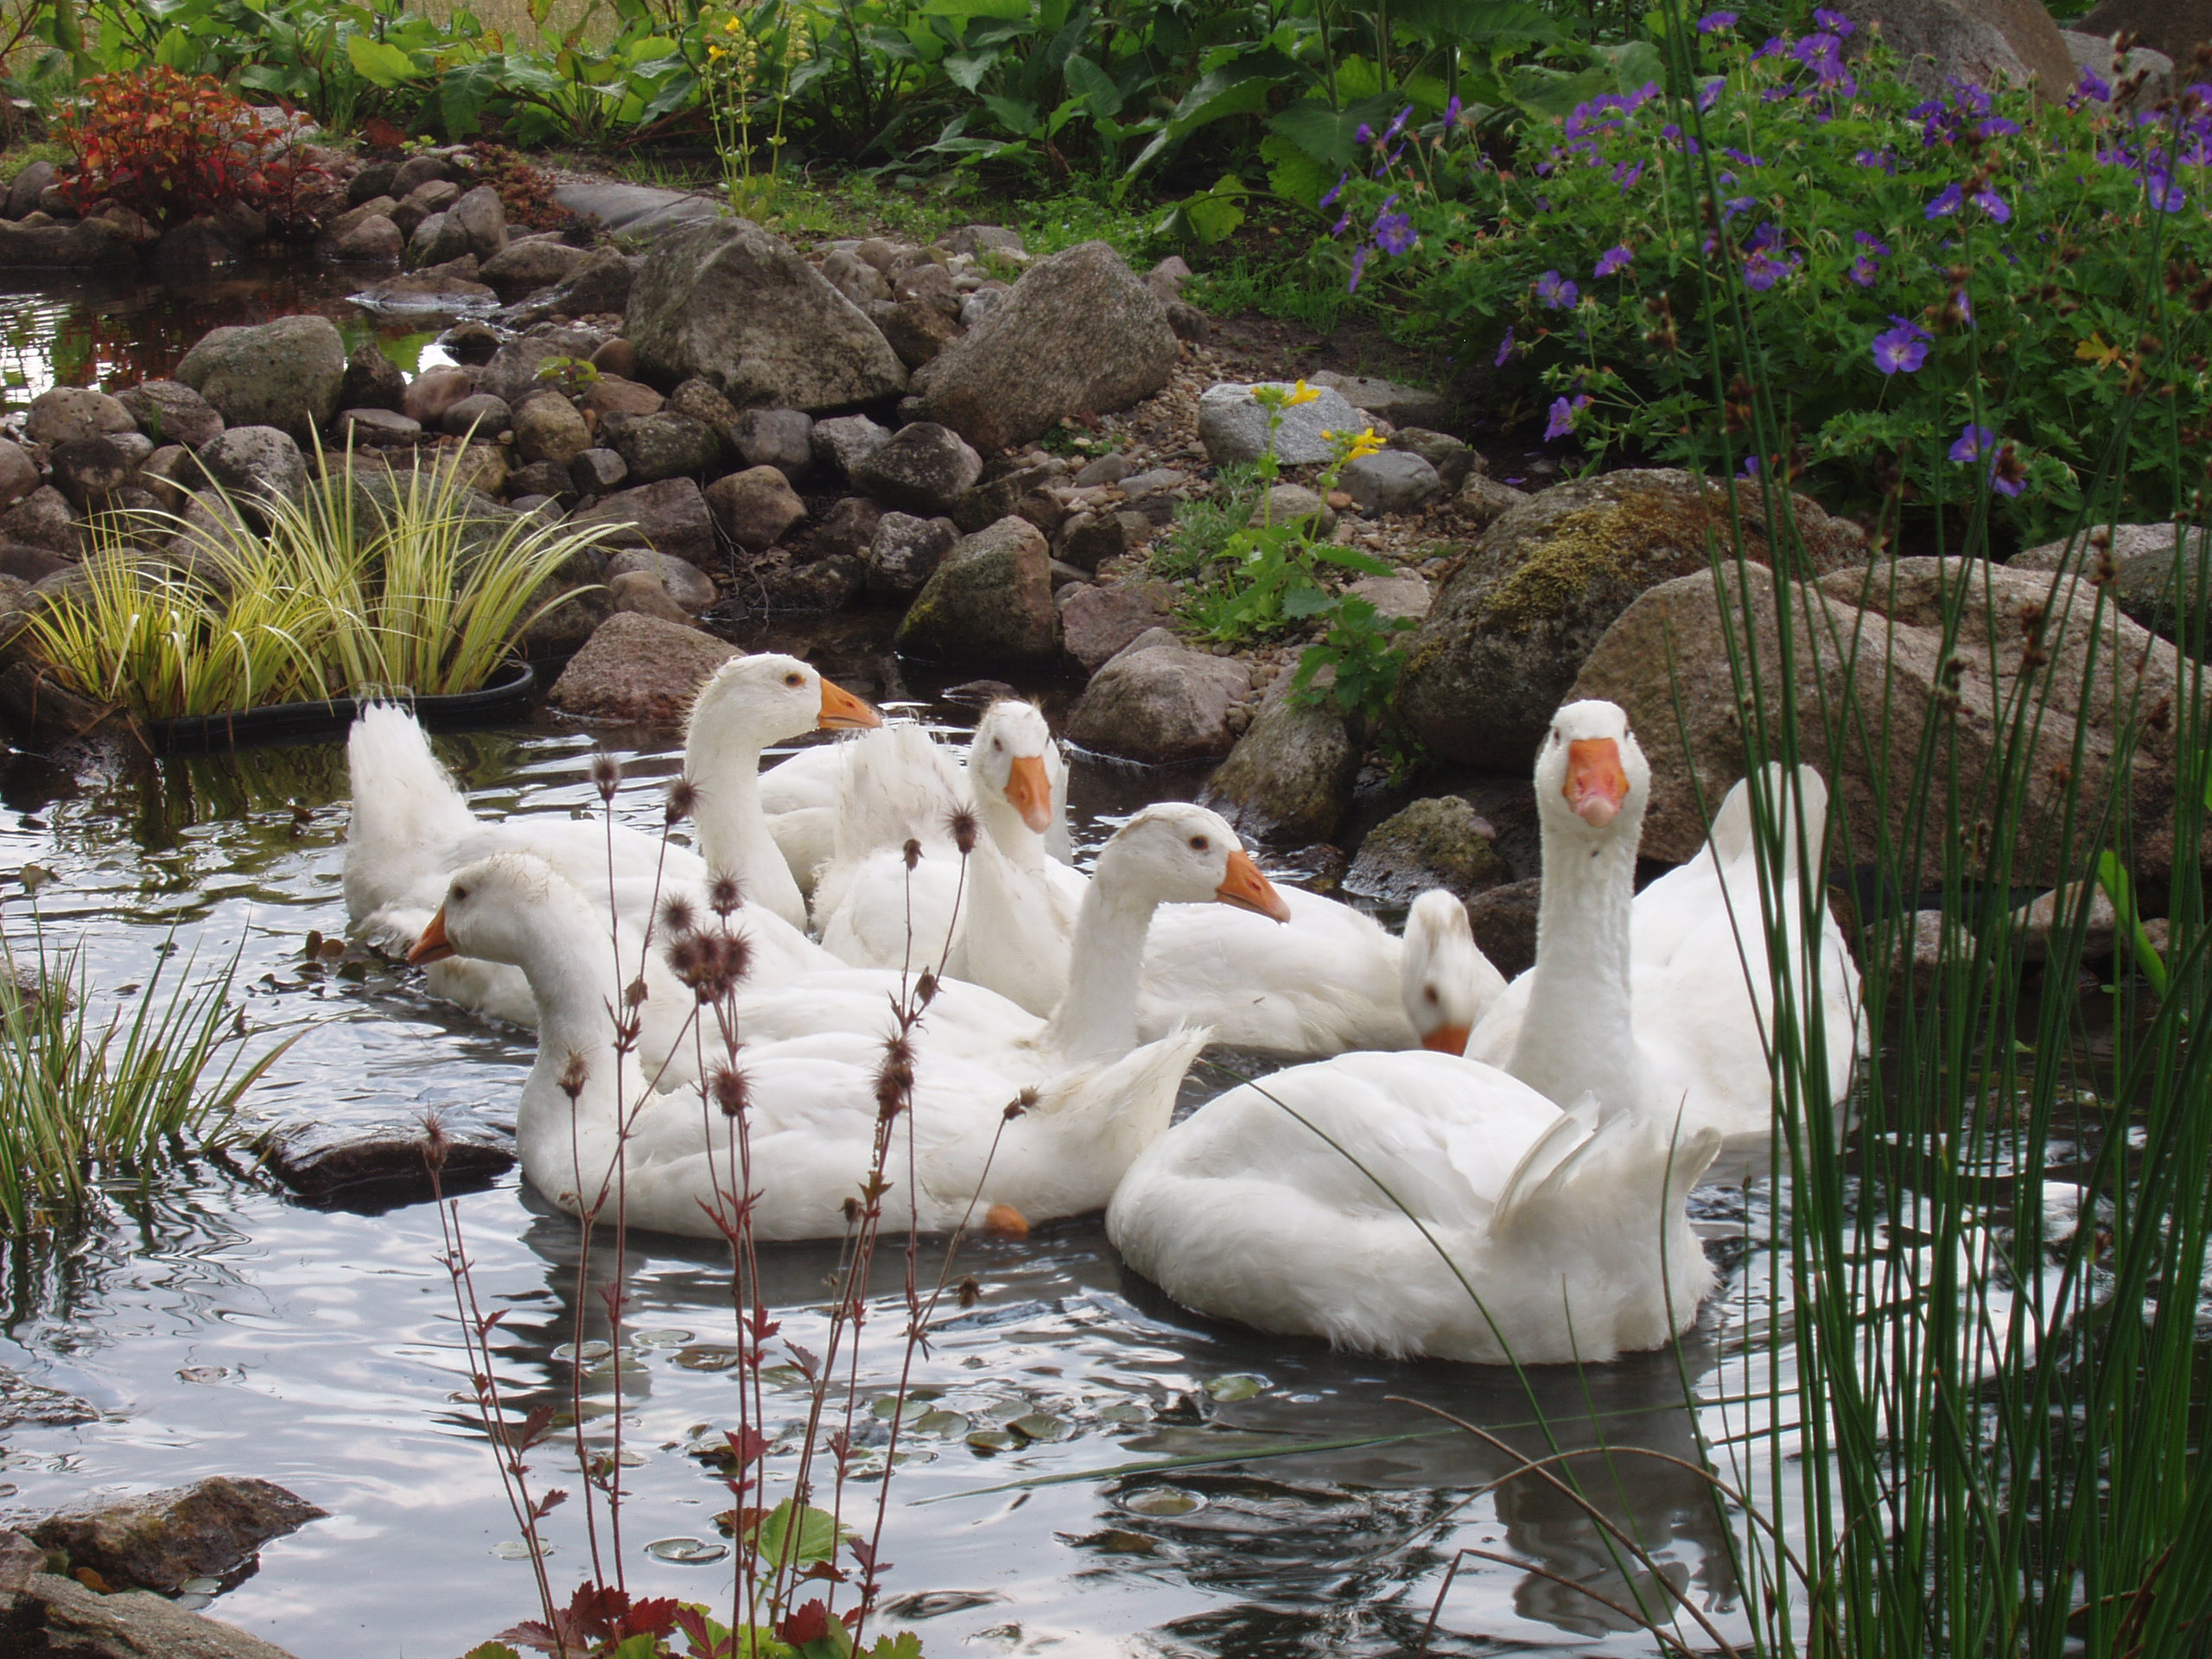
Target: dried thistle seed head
852 1209
725 894
731 1090
962 822
899 1049
574 1075
969 1293
912 852
606 774
683 801
435 1141
635 991
926 988
678 916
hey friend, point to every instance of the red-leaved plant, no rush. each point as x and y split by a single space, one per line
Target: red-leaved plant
168 146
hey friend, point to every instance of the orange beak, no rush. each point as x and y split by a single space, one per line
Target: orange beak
1004 1221
433 946
1029 793
1247 889
1595 786
841 709
1448 1039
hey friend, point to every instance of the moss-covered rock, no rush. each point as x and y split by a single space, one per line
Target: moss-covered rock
1513 623
989 601
1289 778
1438 843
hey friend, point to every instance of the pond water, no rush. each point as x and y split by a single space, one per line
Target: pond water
115 329
224 1327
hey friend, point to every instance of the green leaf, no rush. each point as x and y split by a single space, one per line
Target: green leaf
966 70
378 63
2111 876
1094 86
1016 115
797 1534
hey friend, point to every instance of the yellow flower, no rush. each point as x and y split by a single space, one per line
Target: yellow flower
1301 394
730 25
717 52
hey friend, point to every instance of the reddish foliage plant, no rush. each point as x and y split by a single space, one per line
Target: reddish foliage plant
168 146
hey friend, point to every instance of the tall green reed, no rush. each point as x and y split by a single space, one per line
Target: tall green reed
102 1087
1980 1424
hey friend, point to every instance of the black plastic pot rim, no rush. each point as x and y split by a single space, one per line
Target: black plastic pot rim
507 693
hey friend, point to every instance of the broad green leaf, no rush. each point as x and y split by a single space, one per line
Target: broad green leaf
966 70
1016 115
793 1532
1094 86
379 64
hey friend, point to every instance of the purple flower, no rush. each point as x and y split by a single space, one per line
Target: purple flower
1973 442
1335 190
1763 237
1992 203
1742 158
1881 158
1863 272
1344 223
1751 469
1614 258
1947 203
1735 205
1715 21
1709 94
1505 346
1965 305
1834 21
1822 55
1358 269
1998 127
1563 411
2165 195
1900 350
1364 135
1775 47
1763 270
1869 241
1452 111
1555 291
2094 87
1394 233
1398 125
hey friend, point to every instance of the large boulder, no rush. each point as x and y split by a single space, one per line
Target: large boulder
664 445
1161 703
1873 675
1438 843
286 374
2095 54
2176 27
44 1613
71 412
670 516
1984 41
637 667
755 507
159 1539
255 465
923 469
1098 622
168 411
1080 334
1233 424
523 268
1509 631
904 552
728 302
989 601
1290 777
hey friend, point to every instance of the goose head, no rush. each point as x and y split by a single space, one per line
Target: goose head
1175 853
752 702
1007 760
1437 975
501 909
1592 779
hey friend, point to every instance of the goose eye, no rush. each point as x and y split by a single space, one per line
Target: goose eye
460 895
794 678
998 743
1200 844
1428 994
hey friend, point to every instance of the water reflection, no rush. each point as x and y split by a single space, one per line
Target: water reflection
113 329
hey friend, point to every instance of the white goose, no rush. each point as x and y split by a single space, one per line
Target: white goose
811 1103
410 826
801 796
1007 917
1703 987
1172 853
1458 1212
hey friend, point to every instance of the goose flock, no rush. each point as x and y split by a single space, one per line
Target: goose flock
1449 1165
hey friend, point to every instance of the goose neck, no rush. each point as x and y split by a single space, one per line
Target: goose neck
1577 1036
1098 1018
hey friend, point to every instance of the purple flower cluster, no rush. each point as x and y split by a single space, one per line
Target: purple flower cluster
1557 292
1563 412
1868 265
1615 258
